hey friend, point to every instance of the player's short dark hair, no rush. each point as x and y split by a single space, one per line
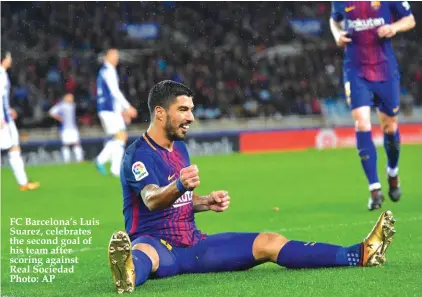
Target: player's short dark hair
165 92
4 54
107 51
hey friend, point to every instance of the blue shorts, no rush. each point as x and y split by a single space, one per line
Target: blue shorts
216 253
385 95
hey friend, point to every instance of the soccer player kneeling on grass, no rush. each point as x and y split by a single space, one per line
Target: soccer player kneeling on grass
161 237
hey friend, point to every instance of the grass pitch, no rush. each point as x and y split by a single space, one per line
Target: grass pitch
321 196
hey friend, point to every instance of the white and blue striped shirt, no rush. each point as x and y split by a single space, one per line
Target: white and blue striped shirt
4 96
109 96
67 111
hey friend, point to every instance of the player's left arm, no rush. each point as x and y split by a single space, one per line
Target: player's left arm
406 22
217 201
110 78
54 112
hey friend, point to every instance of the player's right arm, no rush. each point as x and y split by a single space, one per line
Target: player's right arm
337 16
54 112
159 198
142 178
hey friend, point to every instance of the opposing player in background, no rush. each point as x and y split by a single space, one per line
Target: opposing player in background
65 113
113 109
371 77
158 184
9 136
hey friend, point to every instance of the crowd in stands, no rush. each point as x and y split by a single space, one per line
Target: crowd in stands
219 49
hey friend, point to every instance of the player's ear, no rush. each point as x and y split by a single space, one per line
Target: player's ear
159 113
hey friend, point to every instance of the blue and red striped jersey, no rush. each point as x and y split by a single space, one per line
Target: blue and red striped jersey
144 163
370 55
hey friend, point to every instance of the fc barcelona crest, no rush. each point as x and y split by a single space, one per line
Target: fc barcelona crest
376 5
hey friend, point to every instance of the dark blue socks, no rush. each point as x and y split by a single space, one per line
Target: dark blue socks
298 254
143 266
368 156
392 148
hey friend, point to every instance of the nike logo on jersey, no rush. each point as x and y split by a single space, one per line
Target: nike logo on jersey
170 177
350 8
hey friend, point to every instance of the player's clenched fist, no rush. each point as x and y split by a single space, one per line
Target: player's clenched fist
342 39
219 201
189 177
386 31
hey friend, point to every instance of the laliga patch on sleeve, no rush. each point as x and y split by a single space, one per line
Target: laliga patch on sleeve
139 170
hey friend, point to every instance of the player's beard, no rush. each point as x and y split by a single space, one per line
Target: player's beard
173 132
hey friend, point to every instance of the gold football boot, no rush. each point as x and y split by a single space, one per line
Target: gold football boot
378 240
30 186
121 263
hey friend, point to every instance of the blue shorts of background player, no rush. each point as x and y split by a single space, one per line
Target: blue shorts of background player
385 95
132 264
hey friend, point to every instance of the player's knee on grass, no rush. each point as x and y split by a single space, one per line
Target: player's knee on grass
150 252
164 264
267 246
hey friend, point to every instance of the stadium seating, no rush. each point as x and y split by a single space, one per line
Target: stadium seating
219 49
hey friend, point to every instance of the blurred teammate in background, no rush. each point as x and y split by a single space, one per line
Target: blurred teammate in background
371 77
160 201
9 136
65 113
114 112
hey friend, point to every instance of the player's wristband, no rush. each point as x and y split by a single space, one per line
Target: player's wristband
180 186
